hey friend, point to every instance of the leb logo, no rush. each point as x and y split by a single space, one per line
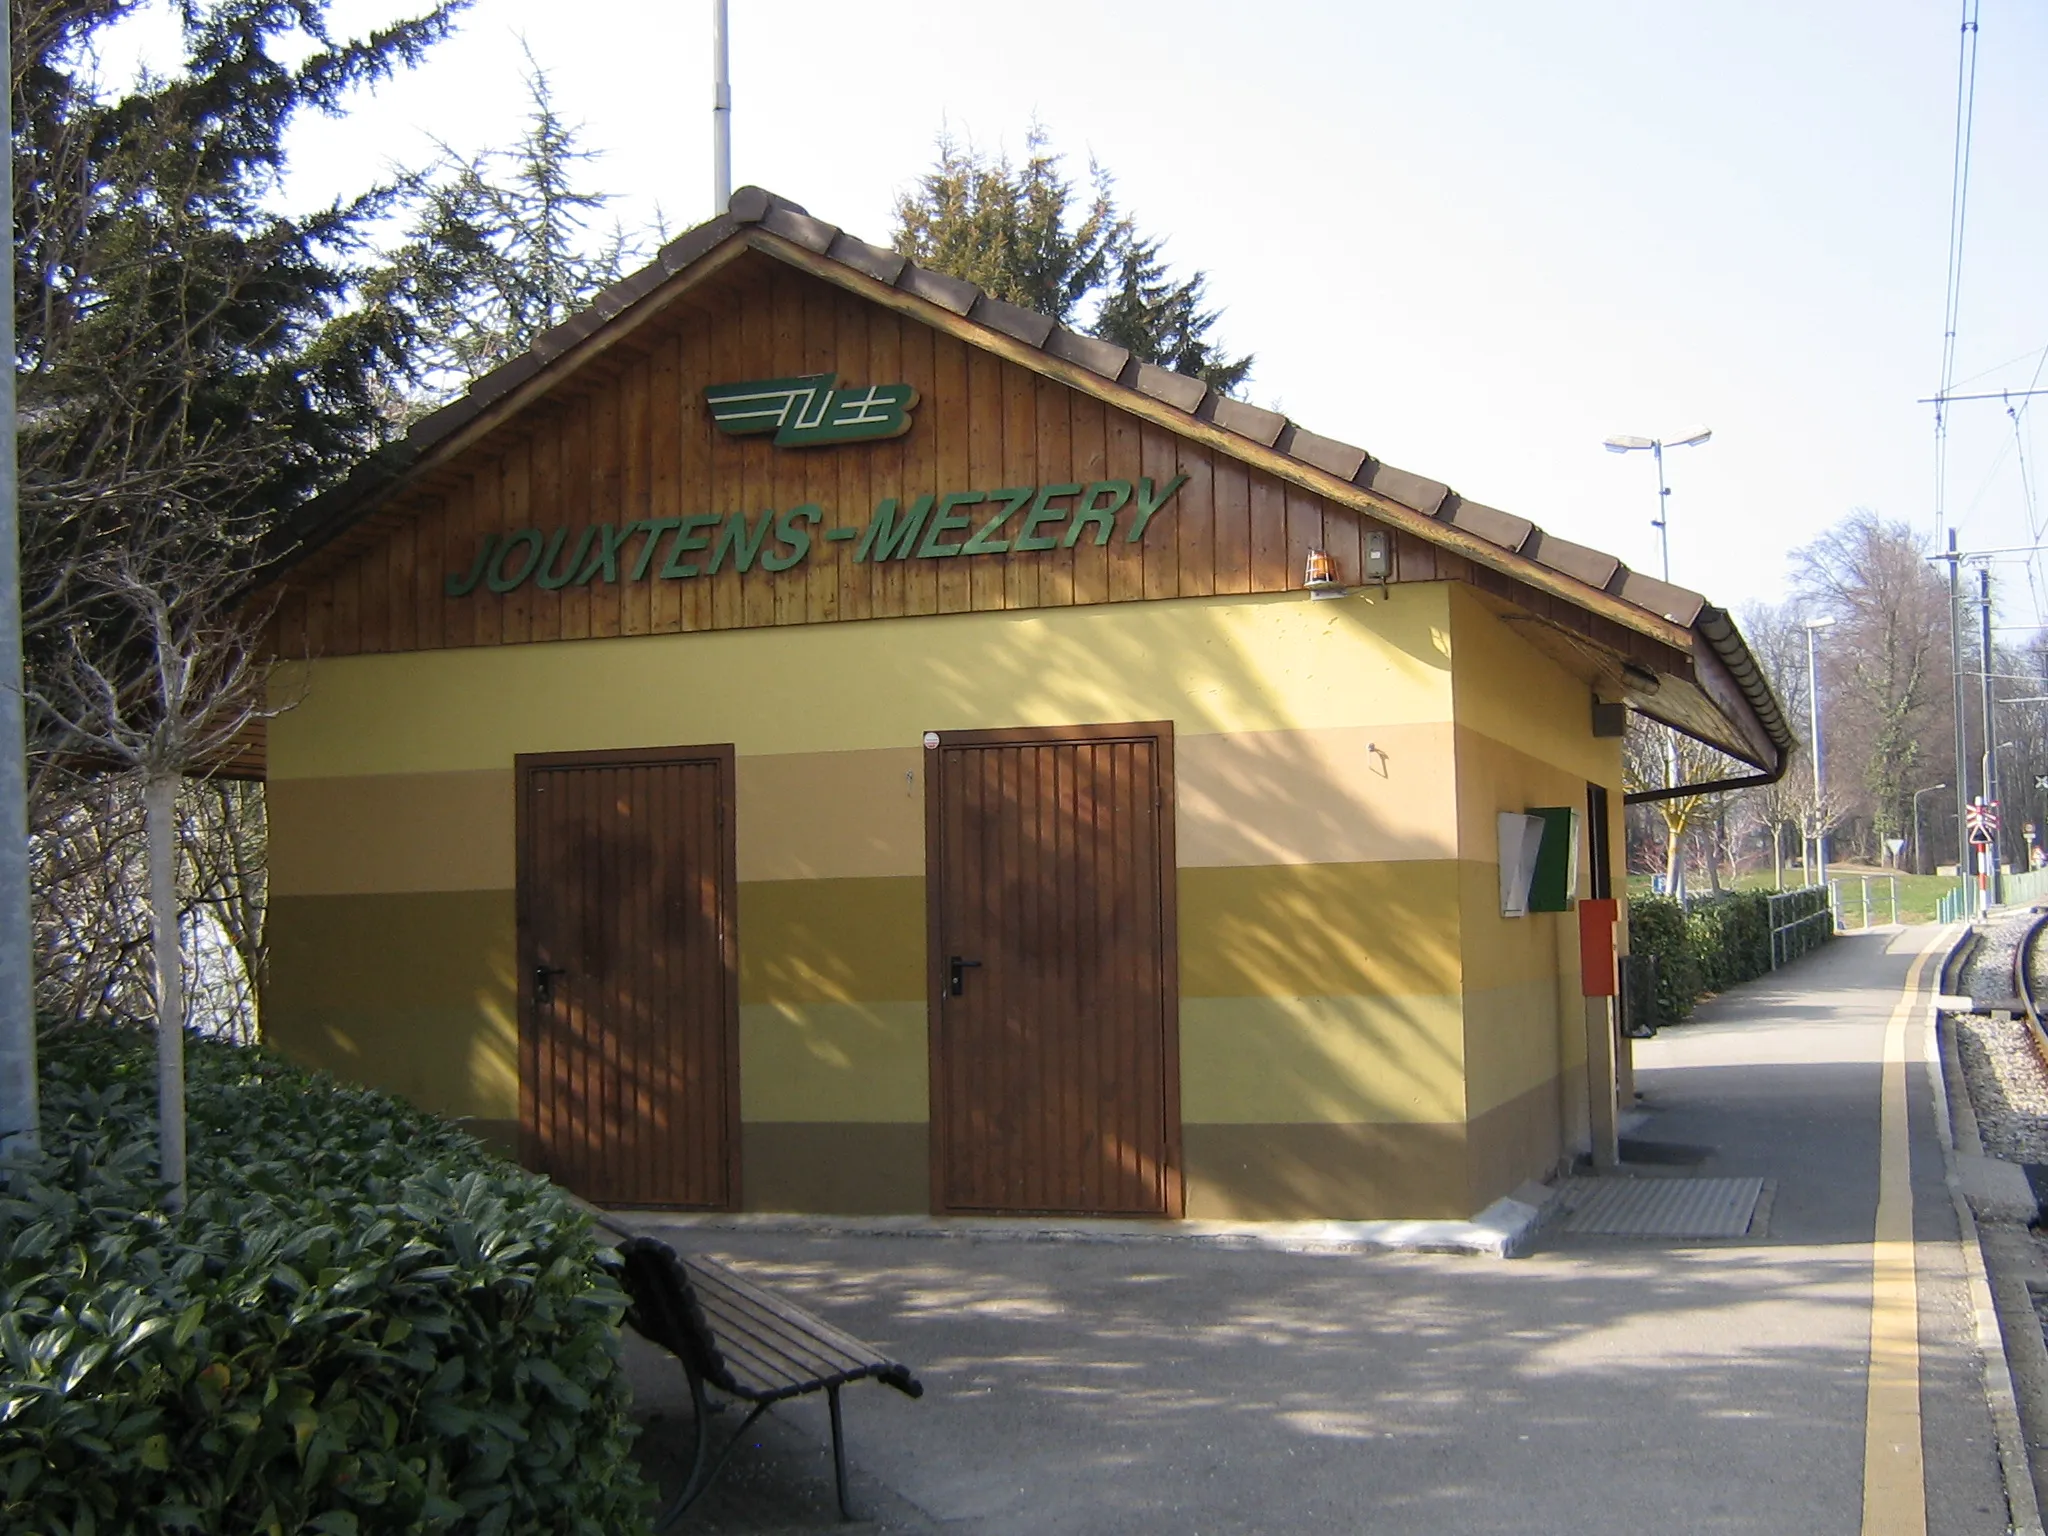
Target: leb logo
807 412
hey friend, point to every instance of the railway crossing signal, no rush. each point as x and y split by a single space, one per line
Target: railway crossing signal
1981 817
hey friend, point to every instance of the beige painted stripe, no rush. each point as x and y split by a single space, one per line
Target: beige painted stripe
392 833
1223 664
1496 775
832 815
1339 795
1894 1474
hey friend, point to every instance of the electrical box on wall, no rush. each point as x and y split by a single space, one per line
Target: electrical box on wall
1521 840
1555 884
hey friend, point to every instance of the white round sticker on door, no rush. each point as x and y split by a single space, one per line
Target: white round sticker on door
931 740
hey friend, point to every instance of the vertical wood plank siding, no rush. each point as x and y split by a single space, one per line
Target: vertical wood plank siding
630 438
630 1081
1055 1071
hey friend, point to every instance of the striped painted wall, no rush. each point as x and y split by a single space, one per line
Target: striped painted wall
1361 1034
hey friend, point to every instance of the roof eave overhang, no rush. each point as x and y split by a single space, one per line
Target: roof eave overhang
1700 638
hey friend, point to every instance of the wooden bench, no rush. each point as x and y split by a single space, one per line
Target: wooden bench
746 1341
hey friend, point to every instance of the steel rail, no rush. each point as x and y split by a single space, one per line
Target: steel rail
2023 984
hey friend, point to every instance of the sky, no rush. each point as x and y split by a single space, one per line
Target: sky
1474 237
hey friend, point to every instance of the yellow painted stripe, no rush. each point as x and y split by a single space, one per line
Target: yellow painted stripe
1211 664
1894 1476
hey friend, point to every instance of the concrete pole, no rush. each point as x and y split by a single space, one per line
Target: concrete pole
721 113
1820 830
1992 891
160 820
1955 636
20 1114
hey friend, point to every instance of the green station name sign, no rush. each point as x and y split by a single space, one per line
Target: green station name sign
1015 520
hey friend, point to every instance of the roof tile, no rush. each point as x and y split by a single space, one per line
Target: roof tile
1488 523
1099 357
1261 426
877 261
937 288
1327 454
1410 490
692 243
1678 604
554 342
1591 566
750 203
792 223
1027 325
1176 389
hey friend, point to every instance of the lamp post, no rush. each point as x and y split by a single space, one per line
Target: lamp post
1622 443
1930 789
1820 830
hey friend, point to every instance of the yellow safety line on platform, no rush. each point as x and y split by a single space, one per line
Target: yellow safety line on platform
1894 1474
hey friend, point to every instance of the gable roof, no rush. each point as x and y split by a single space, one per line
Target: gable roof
1740 715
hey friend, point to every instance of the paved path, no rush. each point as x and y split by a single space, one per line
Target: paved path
1600 1386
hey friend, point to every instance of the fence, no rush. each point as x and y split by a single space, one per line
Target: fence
1953 907
1791 914
2020 890
1841 909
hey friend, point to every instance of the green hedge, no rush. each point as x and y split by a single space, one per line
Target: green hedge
363 1322
1719 941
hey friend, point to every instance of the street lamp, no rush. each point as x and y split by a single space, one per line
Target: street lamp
1622 443
1930 789
1820 831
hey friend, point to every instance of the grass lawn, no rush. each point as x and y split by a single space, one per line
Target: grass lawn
1918 894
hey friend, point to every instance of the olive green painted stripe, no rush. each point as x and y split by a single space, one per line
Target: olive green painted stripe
440 949
410 992
1325 1172
832 941
1314 930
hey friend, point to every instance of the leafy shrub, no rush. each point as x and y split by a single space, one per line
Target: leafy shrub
1719 941
1656 926
362 1322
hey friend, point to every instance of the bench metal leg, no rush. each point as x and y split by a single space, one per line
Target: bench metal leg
703 1472
838 1451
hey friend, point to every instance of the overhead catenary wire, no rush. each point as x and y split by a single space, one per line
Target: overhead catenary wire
1958 218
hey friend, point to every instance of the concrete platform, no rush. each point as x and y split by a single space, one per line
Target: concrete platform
1599 1386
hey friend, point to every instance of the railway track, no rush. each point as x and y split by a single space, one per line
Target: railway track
2028 982
2001 1041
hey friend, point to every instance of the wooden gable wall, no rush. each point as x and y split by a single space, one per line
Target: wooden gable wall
633 439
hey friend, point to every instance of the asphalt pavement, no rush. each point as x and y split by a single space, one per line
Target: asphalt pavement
1596 1386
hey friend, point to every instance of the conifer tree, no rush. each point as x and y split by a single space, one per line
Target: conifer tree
500 249
191 363
1025 235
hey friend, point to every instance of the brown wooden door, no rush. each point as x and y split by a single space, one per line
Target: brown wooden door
1054 1062
629 1077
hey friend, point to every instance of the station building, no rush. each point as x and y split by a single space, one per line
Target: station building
809 736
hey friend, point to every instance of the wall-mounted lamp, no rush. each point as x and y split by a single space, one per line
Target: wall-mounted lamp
1375 559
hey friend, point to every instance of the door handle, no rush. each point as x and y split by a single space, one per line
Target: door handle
544 983
956 974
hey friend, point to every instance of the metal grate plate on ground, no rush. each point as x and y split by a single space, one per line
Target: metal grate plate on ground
1661 1207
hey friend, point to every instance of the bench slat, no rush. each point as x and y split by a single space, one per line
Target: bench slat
777 1348
751 1342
